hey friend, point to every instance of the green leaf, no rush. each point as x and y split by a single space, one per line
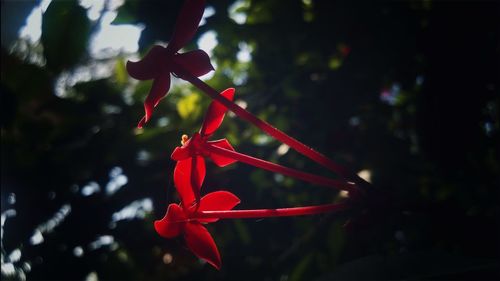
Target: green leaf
243 232
336 240
126 14
300 269
189 106
121 74
334 63
65 34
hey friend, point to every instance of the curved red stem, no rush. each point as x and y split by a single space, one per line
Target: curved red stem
337 184
267 213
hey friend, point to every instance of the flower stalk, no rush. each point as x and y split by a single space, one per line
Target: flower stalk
273 167
268 213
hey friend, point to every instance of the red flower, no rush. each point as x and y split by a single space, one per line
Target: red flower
181 220
189 171
159 62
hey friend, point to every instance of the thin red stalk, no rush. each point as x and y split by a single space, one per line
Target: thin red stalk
267 213
274 132
337 184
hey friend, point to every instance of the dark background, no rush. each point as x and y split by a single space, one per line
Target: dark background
406 90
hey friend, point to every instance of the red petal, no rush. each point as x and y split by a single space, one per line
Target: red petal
188 181
181 152
195 62
159 90
186 24
182 181
217 201
141 122
197 175
148 67
201 243
220 160
172 223
215 114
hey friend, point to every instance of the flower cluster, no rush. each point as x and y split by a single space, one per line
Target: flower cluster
188 217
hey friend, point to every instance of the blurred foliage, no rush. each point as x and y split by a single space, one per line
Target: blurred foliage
64 45
405 90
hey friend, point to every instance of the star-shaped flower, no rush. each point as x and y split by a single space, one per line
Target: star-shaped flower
159 62
189 171
182 220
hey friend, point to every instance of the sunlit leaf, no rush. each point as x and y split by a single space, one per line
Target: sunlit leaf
335 63
189 106
121 74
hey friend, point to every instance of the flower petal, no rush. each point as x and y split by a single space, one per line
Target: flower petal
186 24
159 90
195 62
215 114
197 175
141 122
172 223
148 67
201 243
220 160
181 152
188 181
217 201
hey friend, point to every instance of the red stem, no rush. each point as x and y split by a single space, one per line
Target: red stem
274 132
338 184
266 213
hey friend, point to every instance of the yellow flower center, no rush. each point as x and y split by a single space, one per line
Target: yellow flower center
184 139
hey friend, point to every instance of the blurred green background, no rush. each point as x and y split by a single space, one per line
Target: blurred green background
404 92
